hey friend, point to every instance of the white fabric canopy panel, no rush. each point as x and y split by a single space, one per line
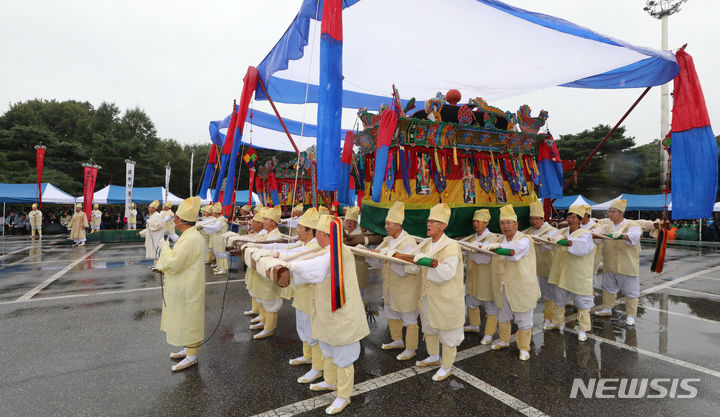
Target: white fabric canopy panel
52 194
501 51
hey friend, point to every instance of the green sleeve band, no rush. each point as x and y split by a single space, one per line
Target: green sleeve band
563 242
427 262
503 251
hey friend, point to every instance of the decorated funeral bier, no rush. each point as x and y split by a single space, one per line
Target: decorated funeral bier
469 156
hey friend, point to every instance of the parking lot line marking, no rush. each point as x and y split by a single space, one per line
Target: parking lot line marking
678 280
65 260
674 313
662 357
15 251
502 396
30 294
21 260
707 294
90 294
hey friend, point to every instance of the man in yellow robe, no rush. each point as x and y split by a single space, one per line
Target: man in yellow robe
339 332
592 226
154 233
206 219
543 256
215 231
35 217
302 297
572 270
132 219
515 285
401 285
183 312
95 219
168 226
352 227
257 232
78 224
621 262
478 285
442 297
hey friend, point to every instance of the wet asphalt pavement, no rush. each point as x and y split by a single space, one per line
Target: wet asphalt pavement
80 333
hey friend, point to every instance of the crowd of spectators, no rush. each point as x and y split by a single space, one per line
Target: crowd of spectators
15 220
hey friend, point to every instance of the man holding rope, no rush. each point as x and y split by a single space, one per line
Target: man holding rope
183 312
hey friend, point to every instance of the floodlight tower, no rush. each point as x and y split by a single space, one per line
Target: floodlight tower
662 9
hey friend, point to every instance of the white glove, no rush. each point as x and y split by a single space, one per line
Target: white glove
391 252
490 246
199 227
167 218
361 246
419 256
174 237
616 235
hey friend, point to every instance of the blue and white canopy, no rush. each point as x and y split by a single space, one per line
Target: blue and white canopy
28 193
484 48
115 194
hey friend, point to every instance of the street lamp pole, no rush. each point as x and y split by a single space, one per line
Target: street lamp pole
662 9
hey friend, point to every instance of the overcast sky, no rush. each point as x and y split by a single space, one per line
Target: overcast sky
183 62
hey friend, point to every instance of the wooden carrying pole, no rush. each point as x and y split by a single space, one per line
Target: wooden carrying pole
478 249
398 257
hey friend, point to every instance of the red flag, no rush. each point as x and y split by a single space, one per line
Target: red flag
90 176
39 163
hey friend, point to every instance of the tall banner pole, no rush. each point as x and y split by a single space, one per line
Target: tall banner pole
167 181
192 160
39 163
129 181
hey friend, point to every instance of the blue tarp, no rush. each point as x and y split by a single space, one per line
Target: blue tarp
565 202
140 195
639 202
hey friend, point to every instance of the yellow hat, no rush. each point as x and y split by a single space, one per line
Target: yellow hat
323 224
579 210
274 214
440 213
132 204
352 213
309 218
189 208
78 205
96 206
508 213
482 215
168 204
246 207
259 208
536 209
155 204
299 208
34 206
588 210
619 205
207 208
323 211
258 217
217 207
396 214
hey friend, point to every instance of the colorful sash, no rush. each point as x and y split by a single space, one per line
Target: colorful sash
337 284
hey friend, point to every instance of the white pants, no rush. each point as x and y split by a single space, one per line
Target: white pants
132 226
472 302
614 282
582 302
451 337
524 319
79 241
408 319
271 306
547 290
304 330
342 356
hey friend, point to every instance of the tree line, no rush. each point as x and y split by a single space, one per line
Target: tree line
76 132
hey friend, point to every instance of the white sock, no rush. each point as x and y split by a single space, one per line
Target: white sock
432 358
311 374
442 371
339 402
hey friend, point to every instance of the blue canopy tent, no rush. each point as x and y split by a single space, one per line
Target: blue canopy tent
28 193
565 202
638 202
115 194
